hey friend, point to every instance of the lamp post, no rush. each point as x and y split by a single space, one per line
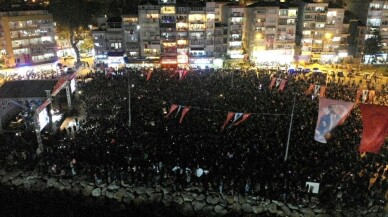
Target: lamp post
328 37
129 102
138 40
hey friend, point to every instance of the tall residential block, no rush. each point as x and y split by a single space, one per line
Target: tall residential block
271 31
27 37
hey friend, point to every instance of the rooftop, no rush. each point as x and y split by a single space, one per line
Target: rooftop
26 88
272 4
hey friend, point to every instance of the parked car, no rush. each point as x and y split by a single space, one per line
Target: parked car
306 70
351 75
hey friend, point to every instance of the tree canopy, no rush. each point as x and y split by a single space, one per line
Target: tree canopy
74 17
373 46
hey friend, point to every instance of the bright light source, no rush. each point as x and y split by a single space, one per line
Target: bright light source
328 35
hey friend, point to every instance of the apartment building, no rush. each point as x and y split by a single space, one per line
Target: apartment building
234 15
373 15
131 31
271 31
27 37
109 41
182 36
220 32
204 34
149 22
377 19
320 29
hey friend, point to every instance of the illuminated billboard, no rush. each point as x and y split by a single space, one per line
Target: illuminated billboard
43 119
72 85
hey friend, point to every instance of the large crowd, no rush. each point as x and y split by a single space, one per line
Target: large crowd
245 159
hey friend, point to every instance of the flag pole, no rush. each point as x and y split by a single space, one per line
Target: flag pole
289 130
129 102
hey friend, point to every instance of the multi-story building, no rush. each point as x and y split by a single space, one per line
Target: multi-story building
150 44
168 34
377 19
234 15
200 34
131 31
182 36
108 41
220 33
373 15
271 30
319 29
27 37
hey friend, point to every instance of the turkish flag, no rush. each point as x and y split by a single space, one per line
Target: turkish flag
149 75
172 109
310 90
282 85
322 91
228 118
272 83
375 127
184 112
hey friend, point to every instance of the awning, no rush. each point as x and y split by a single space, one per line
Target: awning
197 48
44 104
115 54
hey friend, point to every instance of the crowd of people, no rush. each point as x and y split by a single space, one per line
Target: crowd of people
245 159
34 75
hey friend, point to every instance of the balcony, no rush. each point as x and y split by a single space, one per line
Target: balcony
182 46
168 38
197 21
237 14
182 29
235 39
197 29
199 55
197 44
235 47
181 20
167 21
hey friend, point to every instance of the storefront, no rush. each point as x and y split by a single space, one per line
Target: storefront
142 63
201 62
115 59
273 56
169 62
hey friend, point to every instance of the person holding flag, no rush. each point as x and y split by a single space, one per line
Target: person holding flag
331 114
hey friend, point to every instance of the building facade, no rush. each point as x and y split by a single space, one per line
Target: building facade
205 34
320 28
271 31
27 37
377 19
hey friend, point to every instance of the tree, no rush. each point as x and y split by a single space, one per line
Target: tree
373 46
87 44
74 17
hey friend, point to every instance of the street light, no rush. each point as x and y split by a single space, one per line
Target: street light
129 101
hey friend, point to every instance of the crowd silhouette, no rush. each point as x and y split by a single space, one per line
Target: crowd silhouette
245 159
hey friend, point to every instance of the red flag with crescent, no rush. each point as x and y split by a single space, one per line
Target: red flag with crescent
172 109
228 118
359 93
375 127
272 83
310 89
184 112
149 75
371 96
282 85
244 117
322 91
